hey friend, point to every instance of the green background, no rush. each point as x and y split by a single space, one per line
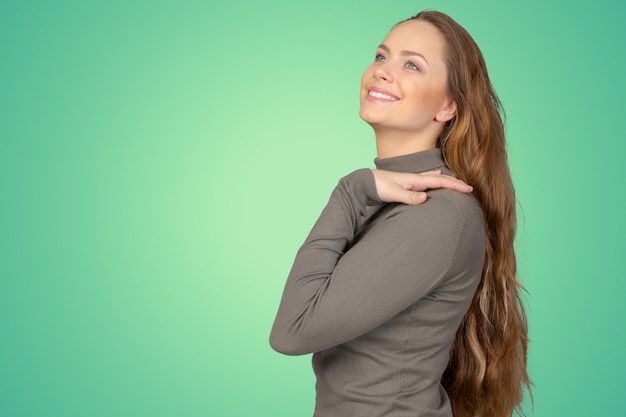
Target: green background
161 162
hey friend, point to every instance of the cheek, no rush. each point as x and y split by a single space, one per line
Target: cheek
363 89
366 77
437 91
423 105
428 97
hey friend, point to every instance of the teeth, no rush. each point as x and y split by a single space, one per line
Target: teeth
381 95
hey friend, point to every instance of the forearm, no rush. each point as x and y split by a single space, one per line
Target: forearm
316 260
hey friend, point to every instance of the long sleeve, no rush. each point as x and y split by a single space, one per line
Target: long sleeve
338 289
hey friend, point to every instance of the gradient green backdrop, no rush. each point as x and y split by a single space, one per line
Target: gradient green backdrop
161 162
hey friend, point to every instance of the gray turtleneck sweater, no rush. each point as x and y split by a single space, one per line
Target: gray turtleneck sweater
377 292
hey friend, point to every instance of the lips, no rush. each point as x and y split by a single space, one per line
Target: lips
381 94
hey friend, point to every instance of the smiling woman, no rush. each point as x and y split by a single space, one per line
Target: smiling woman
404 95
405 290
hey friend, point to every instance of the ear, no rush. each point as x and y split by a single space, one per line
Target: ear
447 112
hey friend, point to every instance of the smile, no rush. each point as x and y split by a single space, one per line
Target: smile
376 94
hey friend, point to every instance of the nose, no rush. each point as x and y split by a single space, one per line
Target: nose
382 73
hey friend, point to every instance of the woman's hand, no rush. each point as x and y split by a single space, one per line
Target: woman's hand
409 188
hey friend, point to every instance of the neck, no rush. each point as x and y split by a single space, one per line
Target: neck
390 144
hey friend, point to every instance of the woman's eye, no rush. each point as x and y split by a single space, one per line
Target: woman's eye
411 66
380 58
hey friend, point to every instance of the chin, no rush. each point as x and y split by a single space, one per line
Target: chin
367 116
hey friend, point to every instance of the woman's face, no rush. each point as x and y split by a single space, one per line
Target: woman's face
405 88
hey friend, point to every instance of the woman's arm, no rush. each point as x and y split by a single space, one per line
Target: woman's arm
333 294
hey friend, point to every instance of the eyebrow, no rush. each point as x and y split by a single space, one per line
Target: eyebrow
405 53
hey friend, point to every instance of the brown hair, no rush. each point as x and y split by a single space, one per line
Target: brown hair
486 373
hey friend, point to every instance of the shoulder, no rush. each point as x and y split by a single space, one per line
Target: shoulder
449 222
451 225
465 206
444 208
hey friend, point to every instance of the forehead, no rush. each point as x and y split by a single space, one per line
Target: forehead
418 36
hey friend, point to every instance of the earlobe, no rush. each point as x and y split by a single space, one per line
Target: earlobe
447 112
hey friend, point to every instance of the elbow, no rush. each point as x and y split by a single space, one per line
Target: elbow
287 344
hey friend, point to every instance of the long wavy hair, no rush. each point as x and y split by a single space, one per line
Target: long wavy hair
486 374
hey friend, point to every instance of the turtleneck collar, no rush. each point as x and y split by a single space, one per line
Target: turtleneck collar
415 162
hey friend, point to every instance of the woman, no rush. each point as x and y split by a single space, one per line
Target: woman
405 290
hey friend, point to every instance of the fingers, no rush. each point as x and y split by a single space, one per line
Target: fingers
409 188
415 197
424 182
433 172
